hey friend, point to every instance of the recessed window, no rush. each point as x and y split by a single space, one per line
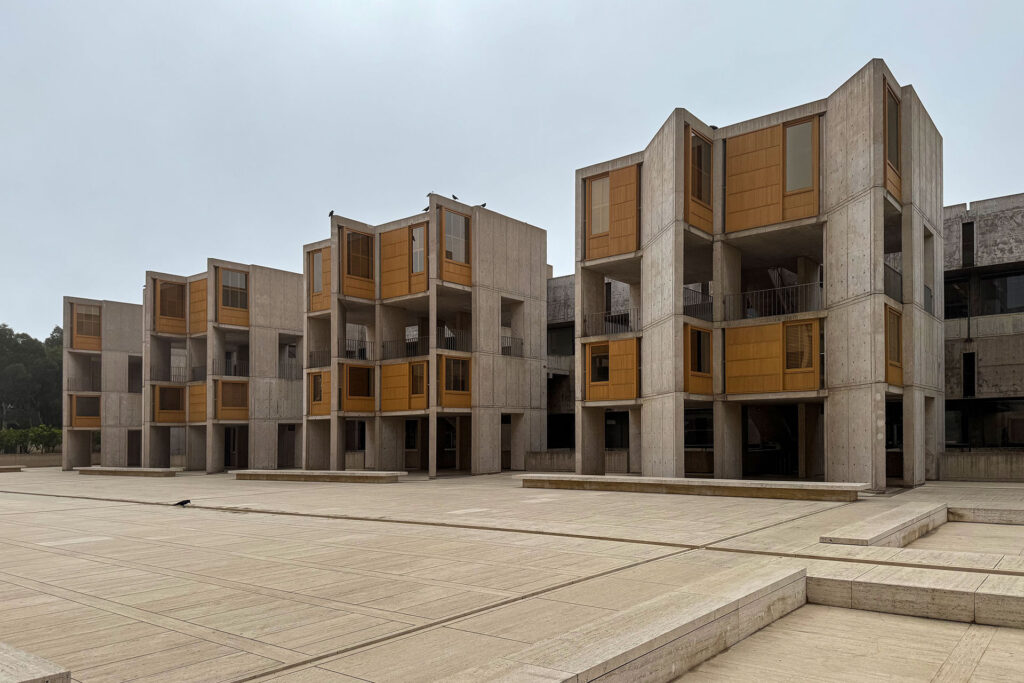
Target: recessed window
799 346
234 394
700 168
412 432
598 196
318 388
957 298
317 269
355 435
360 255
456 237
172 299
894 337
967 244
892 129
360 381
700 351
418 251
234 289
970 374
456 374
87 406
799 156
417 377
87 320
1002 294
171 398
599 363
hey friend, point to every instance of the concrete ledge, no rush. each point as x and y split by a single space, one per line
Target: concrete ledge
993 515
128 471
893 528
10 468
342 476
743 488
17 666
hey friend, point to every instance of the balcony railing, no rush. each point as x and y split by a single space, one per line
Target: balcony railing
319 358
355 349
611 322
893 283
197 374
289 368
929 300
88 382
511 346
238 368
561 311
404 348
762 303
178 375
454 340
697 304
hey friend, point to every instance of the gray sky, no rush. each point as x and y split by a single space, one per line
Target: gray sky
152 135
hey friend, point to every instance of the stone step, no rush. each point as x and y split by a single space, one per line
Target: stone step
17 666
893 528
1011 513
10 468
343 476
660 639
741 488
129 471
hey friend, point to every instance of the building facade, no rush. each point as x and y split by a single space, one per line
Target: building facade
222 375
102 388
425 342
780 280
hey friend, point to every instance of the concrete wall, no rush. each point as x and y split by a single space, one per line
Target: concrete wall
998 225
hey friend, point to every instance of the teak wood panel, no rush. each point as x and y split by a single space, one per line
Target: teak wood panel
394 387
455 271
163 413
697 382
229 315
395 263
803 379
755 360
82 421
167 323
323 406
803 203
353 285
455 399
893 334
357 404
623 214
197 402
623 372
696 213
197 306
84 342
320 301
232 412
753 179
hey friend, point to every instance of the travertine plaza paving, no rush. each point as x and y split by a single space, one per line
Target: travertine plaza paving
463 576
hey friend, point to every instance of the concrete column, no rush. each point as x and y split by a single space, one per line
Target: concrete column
484 435
915 435
77 446
391 456
431 437
635 441
589 440
214 448
195 452
855 435
728 417
935 436
371 456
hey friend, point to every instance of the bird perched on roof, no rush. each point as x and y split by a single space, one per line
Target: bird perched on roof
183 503
455 198
484 205
426 209
331 214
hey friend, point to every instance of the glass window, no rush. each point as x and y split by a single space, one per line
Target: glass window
456 374
411 435
599 363
1002 294
87 320
418 262
355 435
456 237
87 406
892 129
360 381
599 205
799 346
417 374
700 351
894 340
799 157
957 299
360 255
171 398
234 289
700 167
317 267
172 300
318 388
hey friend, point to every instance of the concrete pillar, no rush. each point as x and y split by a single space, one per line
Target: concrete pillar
77 446
635 441
589 440
214 448
431 437
935 436
728 417
855 435
113 446
195 448
484 435
391 456
915 435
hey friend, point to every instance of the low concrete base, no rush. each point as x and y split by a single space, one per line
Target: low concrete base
129 471
986 515
740 488
17 666
10 468
893 528
342 476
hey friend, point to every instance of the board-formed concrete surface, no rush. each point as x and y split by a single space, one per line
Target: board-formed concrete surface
342 476
301 581
738 488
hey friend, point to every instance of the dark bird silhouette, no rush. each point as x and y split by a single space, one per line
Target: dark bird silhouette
331 214
430 193
183 503
426 209
484 205
455 198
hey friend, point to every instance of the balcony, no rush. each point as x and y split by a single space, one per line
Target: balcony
85 383
454 340
763 303
236 368
697 305
289 368
404 348
198 373
893 283
355 349
611 322
511 346
319 358
176 375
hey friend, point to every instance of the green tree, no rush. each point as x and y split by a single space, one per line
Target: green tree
30 378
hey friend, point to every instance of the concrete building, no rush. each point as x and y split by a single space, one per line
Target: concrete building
984 358
102 383
222 375
425 342
781 293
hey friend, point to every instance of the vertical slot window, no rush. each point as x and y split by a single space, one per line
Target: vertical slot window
456 237
598 195
599 363
360 255
799 156
892 129
317 269
234 289
87 320
700 351
970 374
967 244
700 169
418 249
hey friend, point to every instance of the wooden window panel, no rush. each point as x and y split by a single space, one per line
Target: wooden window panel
394 263
456 240
893 346
197 308
360 255
699 166
87 327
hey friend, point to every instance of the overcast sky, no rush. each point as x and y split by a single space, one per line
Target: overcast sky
152 135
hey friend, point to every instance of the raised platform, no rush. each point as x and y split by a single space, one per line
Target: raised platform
17 666
10 468
893 528
129 471
740 488
1007 514
341 476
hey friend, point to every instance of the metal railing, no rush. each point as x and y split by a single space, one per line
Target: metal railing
929 300
89 382
238 368
762 303
893 283
319 358
404 348
197 374
289 368
697 304
177 375
454 340
611 322
561 311
511 346
356 349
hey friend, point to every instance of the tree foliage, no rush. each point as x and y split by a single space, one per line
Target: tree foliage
30 379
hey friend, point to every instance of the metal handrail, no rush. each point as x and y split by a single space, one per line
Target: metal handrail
238 368
404 348
611 322
698 304
355 349
454 340
762 303
511 346
892 283
90 382
319 358
289 368
176 375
